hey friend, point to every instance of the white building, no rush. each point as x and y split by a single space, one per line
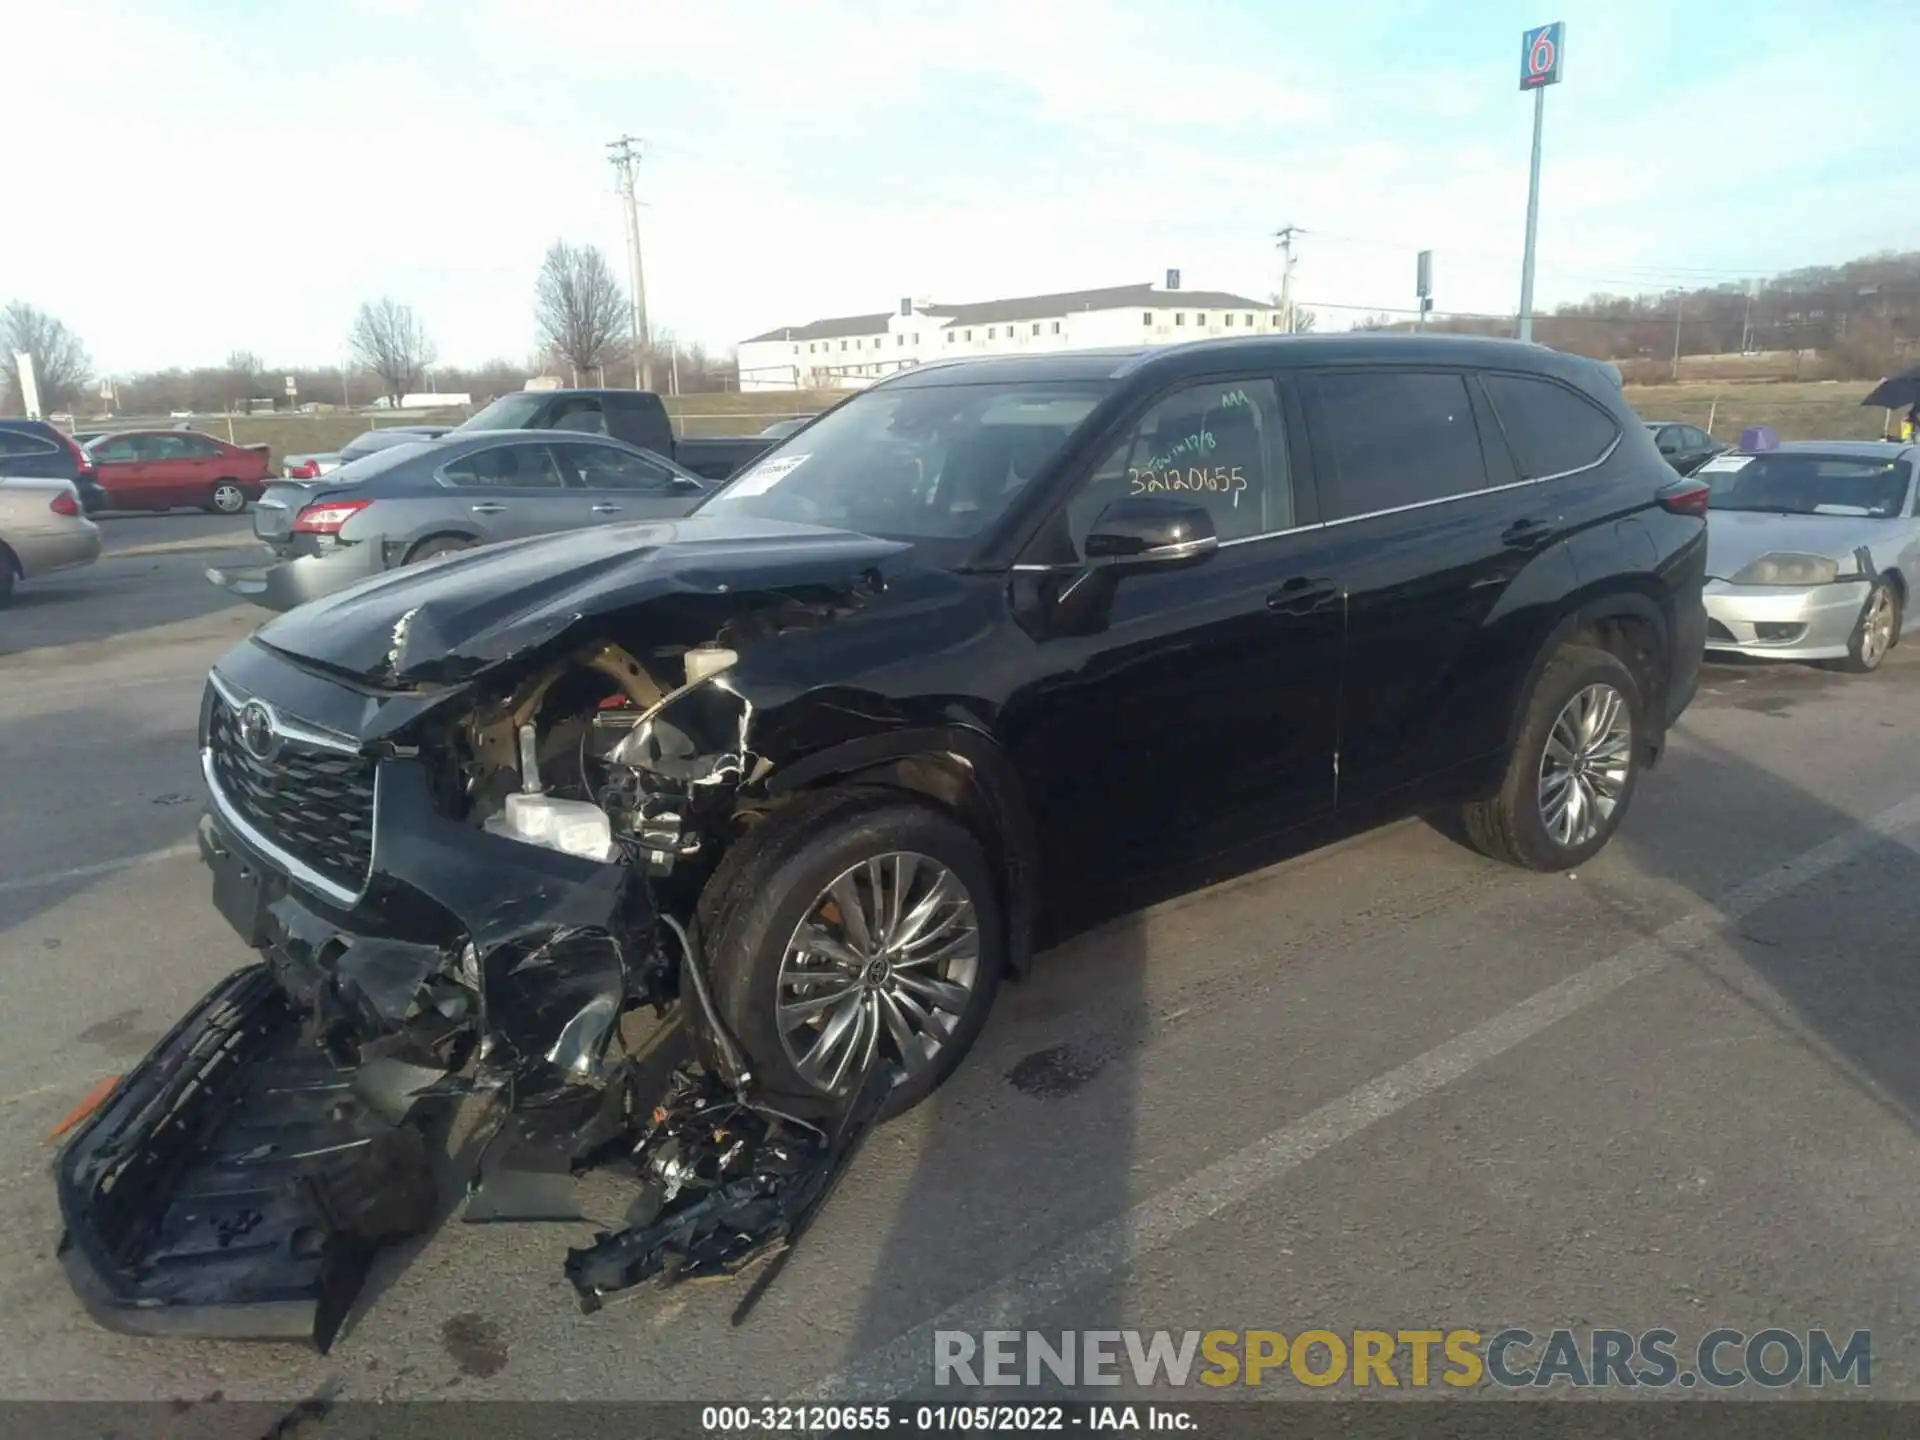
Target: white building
855 350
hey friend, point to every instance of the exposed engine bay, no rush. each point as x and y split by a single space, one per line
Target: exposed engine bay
525 954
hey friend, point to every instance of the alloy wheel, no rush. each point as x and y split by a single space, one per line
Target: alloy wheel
1584 771
886 959
1876 627
229 499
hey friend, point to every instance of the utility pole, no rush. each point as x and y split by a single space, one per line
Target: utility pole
1679 308
1746 325
625 153
1285 236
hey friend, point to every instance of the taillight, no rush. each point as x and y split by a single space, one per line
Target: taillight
305 470
327 517
81 459
64 504
1686 497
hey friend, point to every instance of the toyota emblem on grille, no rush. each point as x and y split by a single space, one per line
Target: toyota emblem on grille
257 734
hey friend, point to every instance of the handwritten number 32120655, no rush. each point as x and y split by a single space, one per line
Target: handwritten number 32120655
1220 480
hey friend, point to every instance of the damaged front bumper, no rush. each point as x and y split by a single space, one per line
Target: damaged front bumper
236 1184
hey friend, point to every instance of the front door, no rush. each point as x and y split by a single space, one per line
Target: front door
1199 709
510 490
132 472
614 484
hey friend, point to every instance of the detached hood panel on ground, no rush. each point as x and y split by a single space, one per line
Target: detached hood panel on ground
445 620
1736 538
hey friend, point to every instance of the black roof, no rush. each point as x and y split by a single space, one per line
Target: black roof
1199 356
1023 307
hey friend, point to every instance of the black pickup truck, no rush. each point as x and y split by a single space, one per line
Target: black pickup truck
635 416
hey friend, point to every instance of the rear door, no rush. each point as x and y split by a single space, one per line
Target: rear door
619 485
1429 526
512 488
199 461
130 478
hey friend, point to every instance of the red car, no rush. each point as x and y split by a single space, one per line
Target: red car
158 469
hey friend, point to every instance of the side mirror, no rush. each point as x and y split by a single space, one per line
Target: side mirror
1144 531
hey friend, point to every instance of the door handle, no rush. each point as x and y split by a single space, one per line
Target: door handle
606 509
488 507
1302 595
1526 534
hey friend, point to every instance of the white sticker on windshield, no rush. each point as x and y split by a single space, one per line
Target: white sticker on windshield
1722 463
767 474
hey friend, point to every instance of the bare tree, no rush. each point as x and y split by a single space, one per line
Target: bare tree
579 306
61 368
388 339
242 379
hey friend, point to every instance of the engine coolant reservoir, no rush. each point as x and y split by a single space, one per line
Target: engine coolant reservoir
705 660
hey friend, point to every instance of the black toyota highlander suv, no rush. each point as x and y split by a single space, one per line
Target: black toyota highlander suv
818 755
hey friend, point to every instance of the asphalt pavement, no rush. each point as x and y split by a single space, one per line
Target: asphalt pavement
1383 1084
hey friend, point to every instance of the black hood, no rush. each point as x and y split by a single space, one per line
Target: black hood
445 620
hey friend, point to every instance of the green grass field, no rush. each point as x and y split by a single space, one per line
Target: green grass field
1798 410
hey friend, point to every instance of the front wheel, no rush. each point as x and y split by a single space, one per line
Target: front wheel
227 498
1573 770
1874 633
854 927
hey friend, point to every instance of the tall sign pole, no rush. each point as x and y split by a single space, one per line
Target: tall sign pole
1542 52
1423 284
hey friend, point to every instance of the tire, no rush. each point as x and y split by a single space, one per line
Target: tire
1512 826
437 545
227 498
778 876
1875 633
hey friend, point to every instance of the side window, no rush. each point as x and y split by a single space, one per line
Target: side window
1398 438
1220 444
1667 439
18 442
581 415
152 448
601 467
1697 439
111 451
504 467
195 447
1550 429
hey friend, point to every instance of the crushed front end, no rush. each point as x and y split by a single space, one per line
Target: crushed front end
461 894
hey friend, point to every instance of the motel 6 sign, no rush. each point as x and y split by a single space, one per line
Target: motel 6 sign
1541 51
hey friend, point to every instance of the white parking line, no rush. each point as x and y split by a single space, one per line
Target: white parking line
895 1368
105 867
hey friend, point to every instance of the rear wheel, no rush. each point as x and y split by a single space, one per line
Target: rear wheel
1875 632
1573 770
851 926
227 498
437 545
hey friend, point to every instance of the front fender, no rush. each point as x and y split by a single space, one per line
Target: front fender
963 768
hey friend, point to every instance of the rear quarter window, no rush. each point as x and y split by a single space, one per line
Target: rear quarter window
18 442
1549 428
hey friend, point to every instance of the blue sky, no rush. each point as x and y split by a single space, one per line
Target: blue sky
244 174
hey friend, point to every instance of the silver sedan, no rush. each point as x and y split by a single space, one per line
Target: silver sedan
1813 549
42 529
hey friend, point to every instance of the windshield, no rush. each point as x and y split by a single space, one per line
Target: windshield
1799 484
916 463
509 412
